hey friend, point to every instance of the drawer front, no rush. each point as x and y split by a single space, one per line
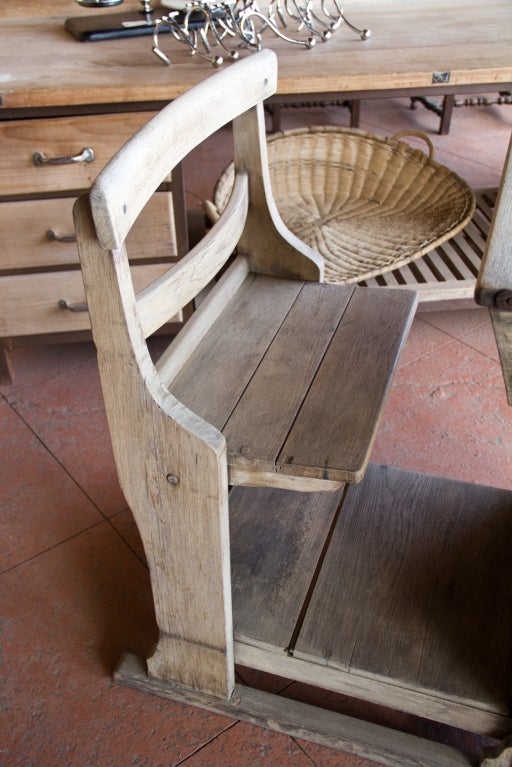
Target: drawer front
29 303
22 141
39 233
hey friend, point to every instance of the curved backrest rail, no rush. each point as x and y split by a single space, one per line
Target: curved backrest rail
130 178
164 298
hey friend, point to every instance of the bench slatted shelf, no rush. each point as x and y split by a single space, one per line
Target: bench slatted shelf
243 452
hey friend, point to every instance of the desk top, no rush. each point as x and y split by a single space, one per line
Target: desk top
42 65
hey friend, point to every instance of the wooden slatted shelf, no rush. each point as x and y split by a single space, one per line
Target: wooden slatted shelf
447 275
417 630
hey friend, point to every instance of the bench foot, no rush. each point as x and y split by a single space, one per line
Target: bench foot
303 720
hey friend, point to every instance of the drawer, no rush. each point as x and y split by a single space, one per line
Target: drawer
29 303
60 137
26 244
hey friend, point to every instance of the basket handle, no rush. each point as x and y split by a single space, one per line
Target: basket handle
419 134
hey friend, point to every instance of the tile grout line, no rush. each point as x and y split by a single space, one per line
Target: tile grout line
51 548
205 745
104 517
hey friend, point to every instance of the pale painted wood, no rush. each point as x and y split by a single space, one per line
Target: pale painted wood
123 189
169 497
301 720
410 41
197 269
494 285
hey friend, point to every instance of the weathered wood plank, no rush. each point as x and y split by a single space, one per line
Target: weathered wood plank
495 278
180 285
234 347
382 690
430 573
271 401
333 434
277 540
301 720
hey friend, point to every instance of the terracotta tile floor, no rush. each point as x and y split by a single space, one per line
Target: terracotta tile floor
75 590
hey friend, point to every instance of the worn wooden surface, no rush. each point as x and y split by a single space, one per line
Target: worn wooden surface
181 513
301 720
314 416
277 543
467 39
428 562
494 284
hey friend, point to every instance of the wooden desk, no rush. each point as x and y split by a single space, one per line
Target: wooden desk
100 91
411 41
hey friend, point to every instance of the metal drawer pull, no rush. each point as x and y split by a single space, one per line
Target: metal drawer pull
86 155
53 237
63 304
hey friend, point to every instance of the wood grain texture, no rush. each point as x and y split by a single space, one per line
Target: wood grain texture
234 347
168 295
363 739
181 513
24 227
118 196
270 246
277 539
410 41
494 284
336 426
60 137
297 403
274 396
465 714
428 562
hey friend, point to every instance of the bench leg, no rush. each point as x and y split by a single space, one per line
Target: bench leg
186 539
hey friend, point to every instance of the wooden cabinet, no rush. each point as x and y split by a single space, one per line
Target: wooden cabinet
44 164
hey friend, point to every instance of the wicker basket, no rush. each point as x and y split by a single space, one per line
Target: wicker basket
367 204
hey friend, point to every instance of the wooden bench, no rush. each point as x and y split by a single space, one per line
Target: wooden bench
239 450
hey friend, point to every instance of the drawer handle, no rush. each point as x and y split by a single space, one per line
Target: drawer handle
53 237
63 304
86 155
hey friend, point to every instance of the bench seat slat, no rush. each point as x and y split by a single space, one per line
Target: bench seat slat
267 409
334 432
217 372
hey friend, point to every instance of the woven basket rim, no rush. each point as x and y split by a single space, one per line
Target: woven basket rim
337 268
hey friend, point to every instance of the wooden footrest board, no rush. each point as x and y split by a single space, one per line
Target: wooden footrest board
406 600
301 720
448 273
